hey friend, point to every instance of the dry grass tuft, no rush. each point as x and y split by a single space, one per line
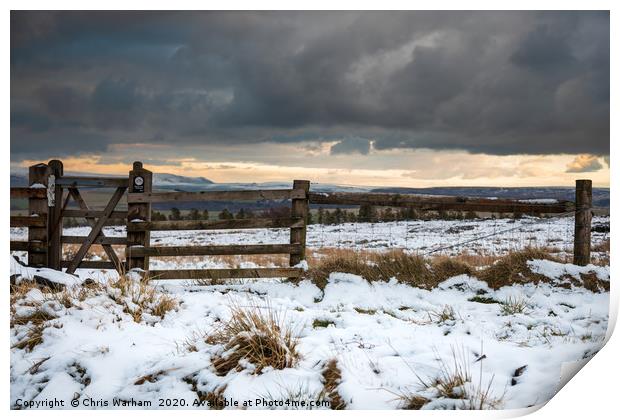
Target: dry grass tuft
445 267
452 377
342 261
34 321
513 306
603 246
20 290
138 297
446 314
593 283
214 399
454 382
416 271
36 317
152 377
406 268
256 335
412 401
34 337
513 269
332 377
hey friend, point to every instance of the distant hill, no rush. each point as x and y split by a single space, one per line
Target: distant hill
161 179
600 196
20 179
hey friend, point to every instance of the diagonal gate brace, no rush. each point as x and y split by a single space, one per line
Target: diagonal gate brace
96 229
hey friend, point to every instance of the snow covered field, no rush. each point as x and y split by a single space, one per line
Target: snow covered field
435 237
390 341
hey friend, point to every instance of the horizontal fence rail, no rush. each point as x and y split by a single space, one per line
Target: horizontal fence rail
247 195
439 202
261 223
27 192
28 246
88 181
183 251
28 221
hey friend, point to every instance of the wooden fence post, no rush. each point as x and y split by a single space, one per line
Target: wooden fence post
55 215
583 222
299 208
140 181
37 177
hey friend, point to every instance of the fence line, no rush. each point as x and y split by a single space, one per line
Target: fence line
47 204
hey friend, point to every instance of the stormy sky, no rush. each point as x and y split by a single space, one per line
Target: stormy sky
427 97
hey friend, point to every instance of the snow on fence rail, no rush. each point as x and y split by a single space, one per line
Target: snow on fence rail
47 206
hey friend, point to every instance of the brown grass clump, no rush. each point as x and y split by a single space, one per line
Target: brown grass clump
452 377
34 321
593 283
20 290
603 246
255 335
138 297
412 401
601 253
418 272
37 317
343 262
454 382
34 337
406 268
513 306
445 267
513 269
332 377
446 314
164 304
214 400
152 377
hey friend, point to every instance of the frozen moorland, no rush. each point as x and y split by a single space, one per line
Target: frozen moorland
353 344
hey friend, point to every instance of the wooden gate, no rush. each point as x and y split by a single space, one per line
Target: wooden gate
67 189
139 226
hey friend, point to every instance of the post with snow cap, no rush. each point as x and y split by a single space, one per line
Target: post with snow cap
37 178
583 221
55 205
299 208
140 181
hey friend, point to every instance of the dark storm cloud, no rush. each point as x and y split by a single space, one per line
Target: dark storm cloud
493 82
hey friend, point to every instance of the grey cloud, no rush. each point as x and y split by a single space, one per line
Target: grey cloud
351 145
584 163
493 82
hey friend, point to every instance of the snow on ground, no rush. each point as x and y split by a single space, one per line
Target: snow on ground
484 237
385 336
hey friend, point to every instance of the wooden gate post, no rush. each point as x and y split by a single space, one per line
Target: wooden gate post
55 215
299 209
140 181
583 222
37 178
